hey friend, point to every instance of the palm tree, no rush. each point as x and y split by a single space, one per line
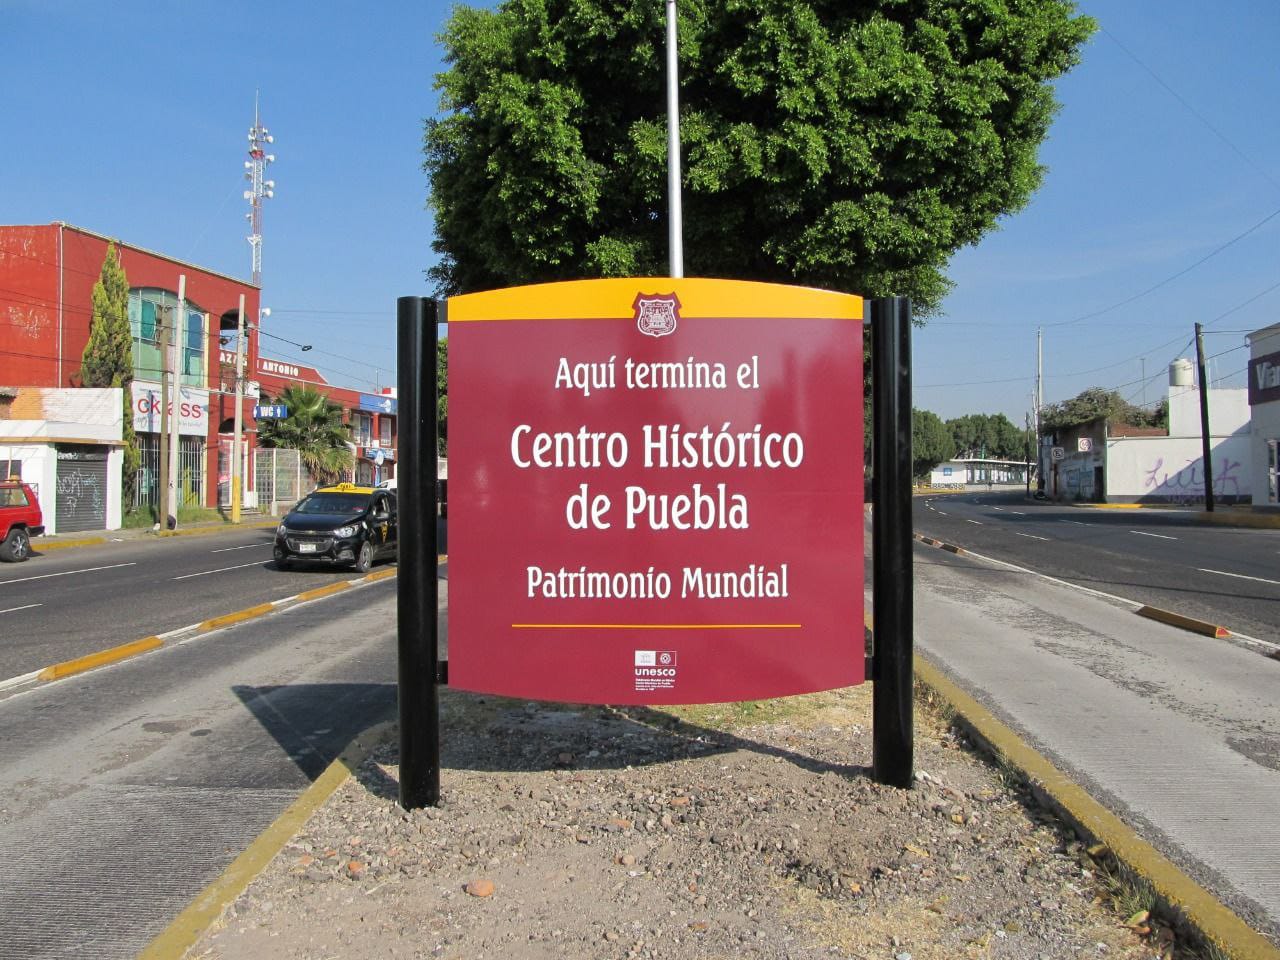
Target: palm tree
315 429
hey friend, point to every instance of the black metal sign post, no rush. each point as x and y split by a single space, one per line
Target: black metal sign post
417 588
892 673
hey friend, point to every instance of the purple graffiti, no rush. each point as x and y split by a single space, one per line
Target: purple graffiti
1190 478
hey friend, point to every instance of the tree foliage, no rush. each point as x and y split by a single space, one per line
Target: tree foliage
990 436
107 360
1098 402
931 442
315 429
853 146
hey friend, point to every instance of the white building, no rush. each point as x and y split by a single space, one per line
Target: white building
1264 406
67 444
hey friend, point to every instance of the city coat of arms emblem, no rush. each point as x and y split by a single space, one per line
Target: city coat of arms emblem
656 314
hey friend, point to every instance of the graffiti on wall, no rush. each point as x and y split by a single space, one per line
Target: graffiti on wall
1186 484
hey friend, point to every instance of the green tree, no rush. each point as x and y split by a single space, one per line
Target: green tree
931 442
848 146
991 436
315 429
1098 402
107 360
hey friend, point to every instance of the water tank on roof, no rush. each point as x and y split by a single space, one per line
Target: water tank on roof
1180 373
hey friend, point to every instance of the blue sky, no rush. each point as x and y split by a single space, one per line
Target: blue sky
130 119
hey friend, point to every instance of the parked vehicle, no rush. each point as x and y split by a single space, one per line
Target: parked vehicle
343 524
20 520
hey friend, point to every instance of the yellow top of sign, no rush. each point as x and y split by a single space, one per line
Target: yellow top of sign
614 299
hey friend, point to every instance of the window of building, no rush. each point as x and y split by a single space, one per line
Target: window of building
1273 471
193 349
384 430
362 428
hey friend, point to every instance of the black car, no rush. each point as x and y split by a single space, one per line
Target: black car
344 524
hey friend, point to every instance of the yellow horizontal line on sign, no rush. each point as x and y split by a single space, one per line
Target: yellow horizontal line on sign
613 299
657 626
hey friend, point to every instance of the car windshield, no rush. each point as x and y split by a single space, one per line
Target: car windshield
333 503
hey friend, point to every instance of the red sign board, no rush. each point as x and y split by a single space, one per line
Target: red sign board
655 491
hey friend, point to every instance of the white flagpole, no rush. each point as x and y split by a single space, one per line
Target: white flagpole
676 227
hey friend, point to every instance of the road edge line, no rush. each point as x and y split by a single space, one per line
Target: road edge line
123 651
1186 623
210 904
1183 897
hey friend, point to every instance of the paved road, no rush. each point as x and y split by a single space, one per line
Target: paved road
1177 733
67 603
125 790
1220 574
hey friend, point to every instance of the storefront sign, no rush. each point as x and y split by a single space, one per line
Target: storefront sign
377 403
192 409
1264 379
657 491
270 411
285 370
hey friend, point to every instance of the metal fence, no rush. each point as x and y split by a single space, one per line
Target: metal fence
281 479
191 472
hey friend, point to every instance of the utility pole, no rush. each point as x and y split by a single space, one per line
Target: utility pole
237 443
1204 422
1039 404
162 447
675 235
175 432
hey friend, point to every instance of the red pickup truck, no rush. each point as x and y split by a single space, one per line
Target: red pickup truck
20 520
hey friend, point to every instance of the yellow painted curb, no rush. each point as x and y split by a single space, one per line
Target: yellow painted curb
1184 896
240 615
329 590
1186 623
1263 521
199 531
382 575
208 906
40 546
88 662
1108 506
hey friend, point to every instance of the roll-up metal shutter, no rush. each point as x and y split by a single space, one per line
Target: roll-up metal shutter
82 489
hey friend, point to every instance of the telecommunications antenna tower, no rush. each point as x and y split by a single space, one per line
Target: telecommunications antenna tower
255 169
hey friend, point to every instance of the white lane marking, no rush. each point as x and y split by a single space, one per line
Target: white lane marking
997 508
1031 535
67 573
1017 513
1143 533
1078 523
1238 576
27 607
978 522
941 514
205 573
247 546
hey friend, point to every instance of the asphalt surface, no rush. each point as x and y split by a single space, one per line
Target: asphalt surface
1178 734
125 790
1223 575
63 604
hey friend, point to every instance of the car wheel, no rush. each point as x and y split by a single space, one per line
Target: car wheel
365 558
16 546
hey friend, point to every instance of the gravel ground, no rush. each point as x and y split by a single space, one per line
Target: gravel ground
725 831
